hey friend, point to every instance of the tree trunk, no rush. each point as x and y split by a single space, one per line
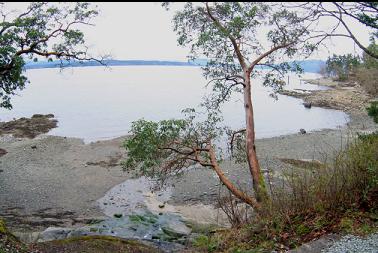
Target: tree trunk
230 186
254 167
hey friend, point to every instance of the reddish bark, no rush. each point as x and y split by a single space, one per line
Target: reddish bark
253 162
230 186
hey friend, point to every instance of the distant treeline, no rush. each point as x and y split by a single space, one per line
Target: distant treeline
312 66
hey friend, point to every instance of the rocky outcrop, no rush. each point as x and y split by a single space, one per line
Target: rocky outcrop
341 97
29 127
156 229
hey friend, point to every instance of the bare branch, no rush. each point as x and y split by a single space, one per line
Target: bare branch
339 16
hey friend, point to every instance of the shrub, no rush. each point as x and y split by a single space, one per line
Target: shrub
205 243
373 111
310 202
367 78
349 181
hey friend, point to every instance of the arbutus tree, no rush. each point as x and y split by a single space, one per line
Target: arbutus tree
240 41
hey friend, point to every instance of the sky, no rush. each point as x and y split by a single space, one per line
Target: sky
145 31
136 31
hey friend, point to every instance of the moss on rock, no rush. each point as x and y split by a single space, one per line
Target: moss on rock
3 228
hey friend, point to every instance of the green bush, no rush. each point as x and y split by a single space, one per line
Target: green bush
206 243
373 111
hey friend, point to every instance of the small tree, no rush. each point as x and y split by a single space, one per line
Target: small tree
45 30
373 111
368 61
342 66
236 38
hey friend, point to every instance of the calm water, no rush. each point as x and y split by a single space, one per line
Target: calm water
95 103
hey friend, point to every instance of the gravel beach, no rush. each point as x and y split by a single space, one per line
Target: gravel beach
55 181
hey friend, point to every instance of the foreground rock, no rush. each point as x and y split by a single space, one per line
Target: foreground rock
2 152
164 232
165 227
29 128
96 244
317 245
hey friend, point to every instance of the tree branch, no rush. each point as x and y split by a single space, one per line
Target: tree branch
351 35
232 39
270 51
237 193
233 138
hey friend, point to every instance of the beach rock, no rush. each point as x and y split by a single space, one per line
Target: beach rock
27 237
176 229
83 231
2 152
117 215
54 233
307 104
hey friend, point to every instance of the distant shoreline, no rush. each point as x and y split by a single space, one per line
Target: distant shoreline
311 66
58 64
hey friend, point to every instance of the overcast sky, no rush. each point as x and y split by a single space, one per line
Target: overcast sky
145 31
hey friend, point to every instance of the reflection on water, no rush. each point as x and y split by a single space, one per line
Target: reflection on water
96 103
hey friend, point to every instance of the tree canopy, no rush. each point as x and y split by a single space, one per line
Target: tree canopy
42 30
235 36
371 62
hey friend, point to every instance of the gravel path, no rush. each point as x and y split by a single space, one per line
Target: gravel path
355 244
